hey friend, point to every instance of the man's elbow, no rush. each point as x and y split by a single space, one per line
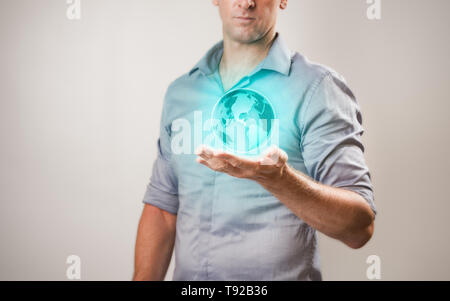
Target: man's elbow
364 230
362 238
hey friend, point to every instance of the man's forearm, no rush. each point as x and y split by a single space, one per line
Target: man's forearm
154 245
339 213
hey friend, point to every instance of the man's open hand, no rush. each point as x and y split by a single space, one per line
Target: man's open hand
269 166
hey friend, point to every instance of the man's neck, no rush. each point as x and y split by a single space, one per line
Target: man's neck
239 59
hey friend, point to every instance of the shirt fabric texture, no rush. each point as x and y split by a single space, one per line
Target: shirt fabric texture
233 229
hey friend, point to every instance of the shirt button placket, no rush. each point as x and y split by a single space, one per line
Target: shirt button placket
209 212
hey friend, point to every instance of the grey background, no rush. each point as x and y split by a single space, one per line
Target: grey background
80 103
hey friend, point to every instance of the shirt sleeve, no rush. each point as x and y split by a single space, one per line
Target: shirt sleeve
162 189
331 143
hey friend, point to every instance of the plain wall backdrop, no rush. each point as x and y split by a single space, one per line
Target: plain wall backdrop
80 103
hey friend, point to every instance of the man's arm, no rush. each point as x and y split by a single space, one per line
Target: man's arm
157 227
339 213
154 243
336 212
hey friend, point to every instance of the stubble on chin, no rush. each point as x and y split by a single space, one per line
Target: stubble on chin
244 35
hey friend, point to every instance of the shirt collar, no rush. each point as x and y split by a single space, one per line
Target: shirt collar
279 58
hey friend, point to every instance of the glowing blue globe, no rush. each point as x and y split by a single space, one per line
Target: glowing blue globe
244 121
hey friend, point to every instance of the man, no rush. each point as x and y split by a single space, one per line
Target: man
233 218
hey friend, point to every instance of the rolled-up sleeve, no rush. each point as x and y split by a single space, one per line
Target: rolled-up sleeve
162 189
331 126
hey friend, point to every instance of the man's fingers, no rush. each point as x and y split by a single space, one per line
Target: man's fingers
221 166
274 156
266 161
203 161
240 167
281 157
204 152
237 161
230 158
214 164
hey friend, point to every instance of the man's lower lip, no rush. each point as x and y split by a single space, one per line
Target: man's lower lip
245 19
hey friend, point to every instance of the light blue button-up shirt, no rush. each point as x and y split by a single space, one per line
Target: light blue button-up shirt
233 229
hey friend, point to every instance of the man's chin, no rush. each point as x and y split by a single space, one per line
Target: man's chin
245 37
